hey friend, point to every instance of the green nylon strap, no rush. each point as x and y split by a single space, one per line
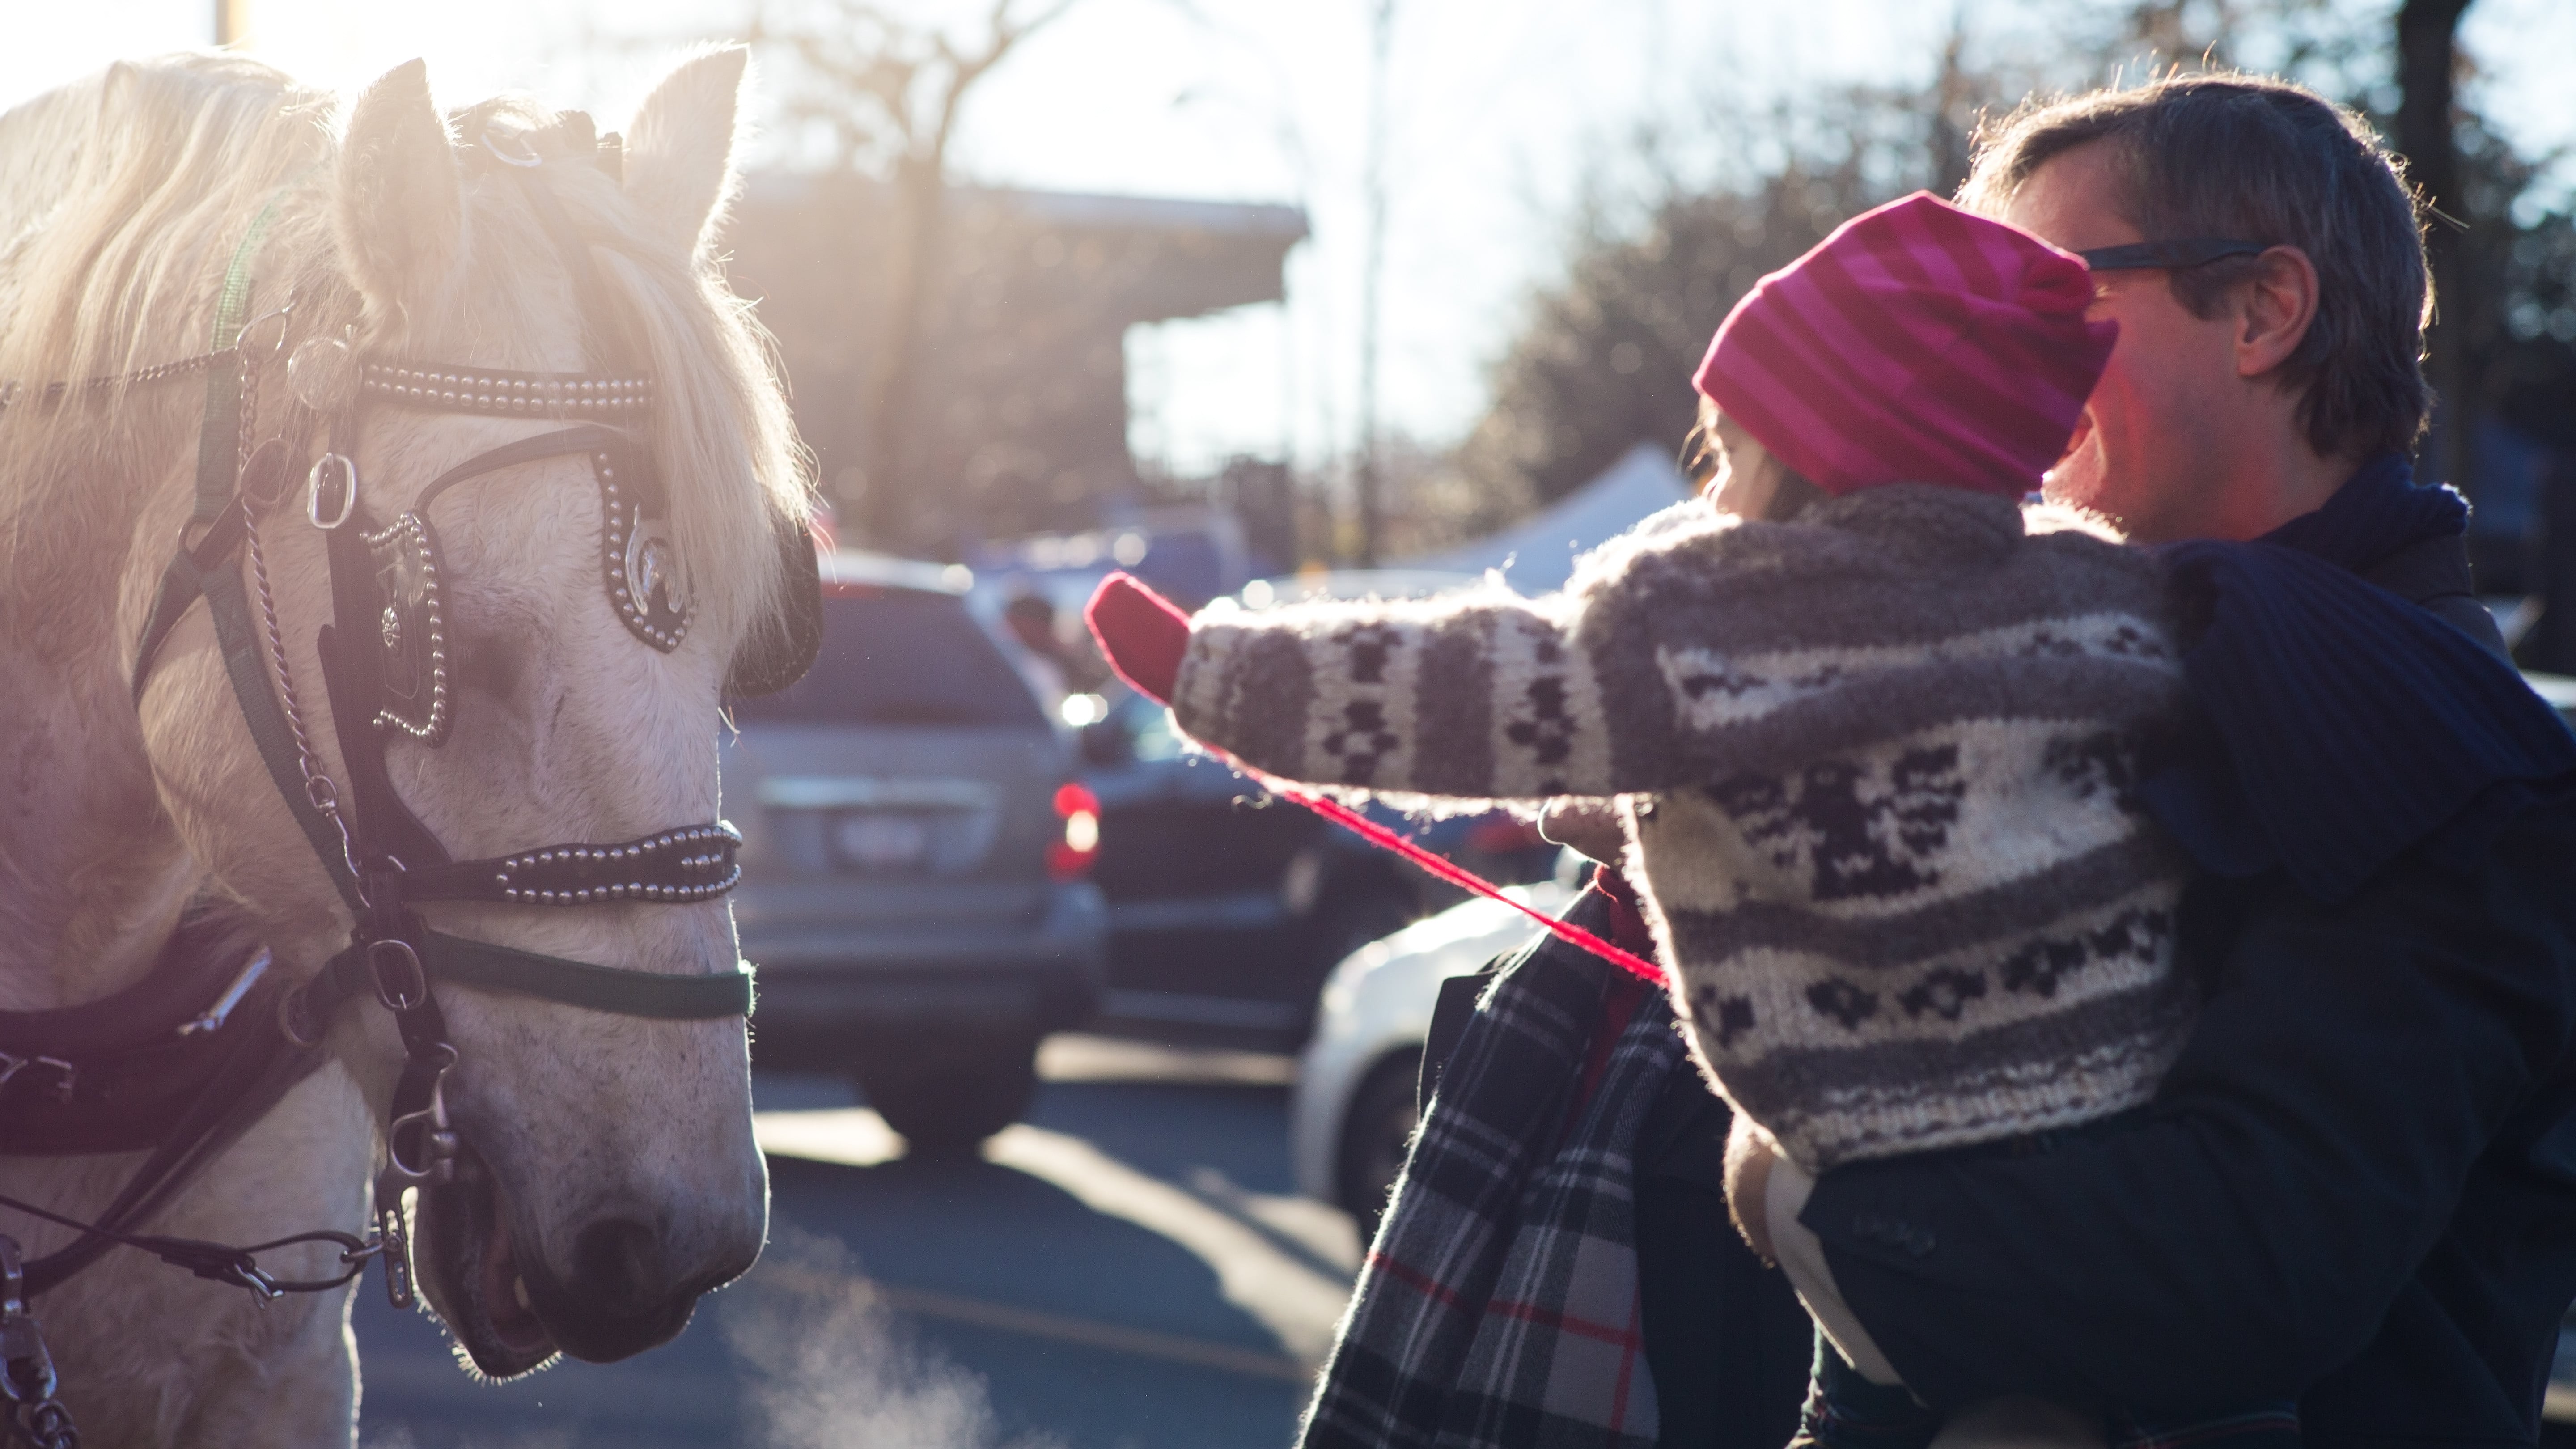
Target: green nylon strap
229 608
219 440
625 992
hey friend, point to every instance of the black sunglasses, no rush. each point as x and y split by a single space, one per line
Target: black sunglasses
2191 252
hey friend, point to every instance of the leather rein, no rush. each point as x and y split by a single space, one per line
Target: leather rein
213 1063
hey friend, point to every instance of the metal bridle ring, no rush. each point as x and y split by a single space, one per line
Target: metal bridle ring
527 160
313 491
292 1011
415 987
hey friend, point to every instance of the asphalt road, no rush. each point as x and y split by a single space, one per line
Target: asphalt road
1128 1267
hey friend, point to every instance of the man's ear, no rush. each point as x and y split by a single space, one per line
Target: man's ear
679 148
400 213
2273 310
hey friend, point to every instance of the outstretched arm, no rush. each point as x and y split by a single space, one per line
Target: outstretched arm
1690 648
1489 697
1486 698
1470 697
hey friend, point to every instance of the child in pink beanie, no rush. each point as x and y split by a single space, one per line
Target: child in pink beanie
1870 723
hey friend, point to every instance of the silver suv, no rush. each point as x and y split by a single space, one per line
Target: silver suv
915 859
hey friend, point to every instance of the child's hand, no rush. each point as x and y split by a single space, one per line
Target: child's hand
1749 1153
1141 633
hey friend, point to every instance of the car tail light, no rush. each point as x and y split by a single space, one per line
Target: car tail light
1070 858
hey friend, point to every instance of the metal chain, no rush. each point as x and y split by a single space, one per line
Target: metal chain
54 392
48 1425
249 412
318 787
27 1379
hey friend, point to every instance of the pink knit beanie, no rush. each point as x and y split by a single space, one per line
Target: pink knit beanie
1917 344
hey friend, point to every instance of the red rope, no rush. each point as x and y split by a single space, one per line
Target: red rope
1452 872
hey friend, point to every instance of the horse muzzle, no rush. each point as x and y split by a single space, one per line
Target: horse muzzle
624 1284
625 1290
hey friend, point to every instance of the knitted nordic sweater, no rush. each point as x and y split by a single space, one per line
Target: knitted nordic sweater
1876 765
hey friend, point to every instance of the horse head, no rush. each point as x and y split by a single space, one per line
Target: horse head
607 1175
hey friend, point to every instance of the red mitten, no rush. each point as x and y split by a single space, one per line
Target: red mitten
1142 634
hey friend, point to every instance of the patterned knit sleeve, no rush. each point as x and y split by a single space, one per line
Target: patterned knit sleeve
1482 698
1692 649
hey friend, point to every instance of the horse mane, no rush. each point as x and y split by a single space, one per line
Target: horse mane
122 199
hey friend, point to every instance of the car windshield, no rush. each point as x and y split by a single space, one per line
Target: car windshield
900 657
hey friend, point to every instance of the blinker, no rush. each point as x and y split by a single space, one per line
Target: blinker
411 679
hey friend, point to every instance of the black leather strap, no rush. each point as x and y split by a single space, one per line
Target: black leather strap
455 961
480 965
229 606
587 438
604 323
178 590
262 1068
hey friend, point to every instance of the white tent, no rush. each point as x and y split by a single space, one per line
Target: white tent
1537 555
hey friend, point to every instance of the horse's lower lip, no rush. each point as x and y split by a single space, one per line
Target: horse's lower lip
467 1248
504 1297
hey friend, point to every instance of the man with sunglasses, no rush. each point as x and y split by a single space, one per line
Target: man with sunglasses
2359 1184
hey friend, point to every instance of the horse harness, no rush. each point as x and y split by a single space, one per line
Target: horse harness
88 1077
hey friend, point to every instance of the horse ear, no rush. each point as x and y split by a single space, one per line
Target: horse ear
401 208
679 148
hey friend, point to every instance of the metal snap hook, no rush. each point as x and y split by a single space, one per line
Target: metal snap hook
247 345
348 490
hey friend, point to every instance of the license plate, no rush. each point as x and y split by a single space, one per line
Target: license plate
879 840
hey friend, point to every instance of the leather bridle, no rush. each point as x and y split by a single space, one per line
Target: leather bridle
384 659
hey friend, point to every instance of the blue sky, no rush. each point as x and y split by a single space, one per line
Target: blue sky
1502 110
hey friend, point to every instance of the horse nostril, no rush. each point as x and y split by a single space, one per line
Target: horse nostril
617 1267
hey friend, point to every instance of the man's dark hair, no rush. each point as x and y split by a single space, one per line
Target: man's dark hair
2254 159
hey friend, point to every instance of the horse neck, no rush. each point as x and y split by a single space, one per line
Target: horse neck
91 874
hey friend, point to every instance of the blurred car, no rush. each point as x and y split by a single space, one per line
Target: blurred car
1227 907
1352 1111
916 853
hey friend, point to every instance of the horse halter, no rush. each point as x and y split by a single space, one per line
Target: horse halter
386 661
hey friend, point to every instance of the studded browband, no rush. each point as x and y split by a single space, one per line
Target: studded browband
506 394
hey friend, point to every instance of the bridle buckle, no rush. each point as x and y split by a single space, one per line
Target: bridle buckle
401 984
347 469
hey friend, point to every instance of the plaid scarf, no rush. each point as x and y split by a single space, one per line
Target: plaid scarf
1499 1304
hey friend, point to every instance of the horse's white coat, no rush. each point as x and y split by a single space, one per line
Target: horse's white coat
121 199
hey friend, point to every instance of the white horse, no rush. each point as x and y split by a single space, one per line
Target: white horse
609 1175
